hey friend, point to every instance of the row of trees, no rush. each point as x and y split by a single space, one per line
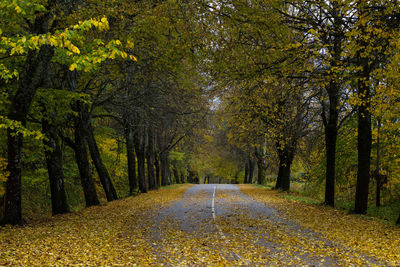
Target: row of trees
67 69
288 69
281 75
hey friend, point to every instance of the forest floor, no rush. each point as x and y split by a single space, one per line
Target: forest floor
203 225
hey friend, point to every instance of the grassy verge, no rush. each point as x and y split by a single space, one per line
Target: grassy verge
268 186
173 186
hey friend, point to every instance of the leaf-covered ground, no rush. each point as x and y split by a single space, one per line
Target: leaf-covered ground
116 233
361 234
176 227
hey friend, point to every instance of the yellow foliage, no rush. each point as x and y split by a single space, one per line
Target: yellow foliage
117 162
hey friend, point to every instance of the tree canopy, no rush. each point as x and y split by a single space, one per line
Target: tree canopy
104 99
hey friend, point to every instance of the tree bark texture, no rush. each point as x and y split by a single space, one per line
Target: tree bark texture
105 180
150 158
285 161
261 171
54 162
364 142
130 150
140 154
176 175
331 123
246 172
158 171
82 160
260 165
165 170
251 170
364 160
330 147
377 173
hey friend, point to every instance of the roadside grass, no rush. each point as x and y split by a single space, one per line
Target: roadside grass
388 213
268 186
174 186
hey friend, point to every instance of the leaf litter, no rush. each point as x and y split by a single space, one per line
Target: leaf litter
168 227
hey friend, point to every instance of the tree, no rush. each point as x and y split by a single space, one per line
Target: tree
371 47
38 42
53 154
323 26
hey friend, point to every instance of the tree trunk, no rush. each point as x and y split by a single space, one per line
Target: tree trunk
81 156
176 175
364 153
190 177
398 221
246 172
53 154
141 171
182 178
36 69
285 176
251 170
285 161
330 146
278 183
261 171
331 123
130 150
236 181
158 172
260 165
364 138
378 190
111 193
377 173
364 147
13 208
140 153
165 171
150 159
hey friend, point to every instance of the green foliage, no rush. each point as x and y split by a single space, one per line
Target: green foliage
263 78
214 157
113 154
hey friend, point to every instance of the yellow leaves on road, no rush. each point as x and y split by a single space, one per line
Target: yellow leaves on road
365 236
146 231
112 234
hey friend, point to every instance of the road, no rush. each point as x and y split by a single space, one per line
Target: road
219 225
202 225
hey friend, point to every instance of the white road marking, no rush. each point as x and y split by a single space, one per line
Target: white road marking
216 225
213 203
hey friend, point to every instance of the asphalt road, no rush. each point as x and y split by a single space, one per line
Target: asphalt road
219 225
